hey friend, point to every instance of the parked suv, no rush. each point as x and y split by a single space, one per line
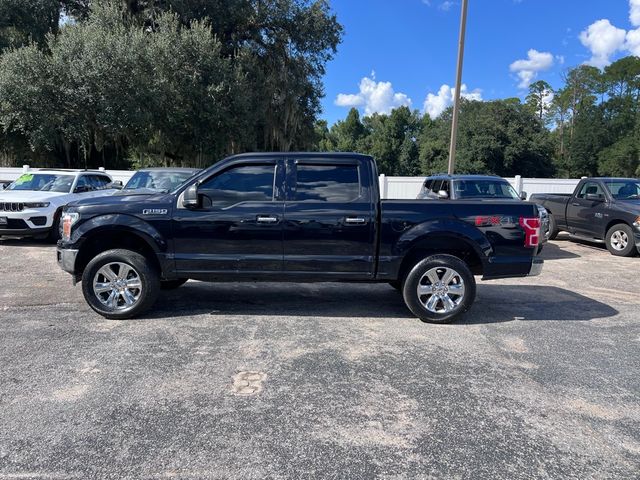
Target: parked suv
31 206
476 187
154 180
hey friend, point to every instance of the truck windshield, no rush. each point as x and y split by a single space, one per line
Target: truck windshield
482 188
623 189
41 182
160 181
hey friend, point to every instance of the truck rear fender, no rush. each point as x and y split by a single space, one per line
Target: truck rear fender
106 232
448 236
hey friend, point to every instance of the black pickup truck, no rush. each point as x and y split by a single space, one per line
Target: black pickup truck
294 217
601 210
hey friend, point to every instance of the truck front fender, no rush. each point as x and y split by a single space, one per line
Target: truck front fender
118 222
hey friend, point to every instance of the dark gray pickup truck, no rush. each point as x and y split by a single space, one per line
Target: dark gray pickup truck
601 210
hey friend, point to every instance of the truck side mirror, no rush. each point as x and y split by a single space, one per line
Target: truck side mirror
443 195
523 195
117 184
594 197
190 197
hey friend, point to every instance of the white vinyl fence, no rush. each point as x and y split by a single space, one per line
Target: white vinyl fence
408 187
390 187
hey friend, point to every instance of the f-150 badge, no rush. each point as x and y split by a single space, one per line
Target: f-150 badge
154 211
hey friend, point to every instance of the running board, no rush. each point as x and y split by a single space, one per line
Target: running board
586 239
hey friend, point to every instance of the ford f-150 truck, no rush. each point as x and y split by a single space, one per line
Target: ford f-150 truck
599 209
296 217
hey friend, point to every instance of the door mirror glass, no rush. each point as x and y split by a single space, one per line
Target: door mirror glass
523 195
190 197
443 195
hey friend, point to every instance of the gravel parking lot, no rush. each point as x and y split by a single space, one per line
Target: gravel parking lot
540 379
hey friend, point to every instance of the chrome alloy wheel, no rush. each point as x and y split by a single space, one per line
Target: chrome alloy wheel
441 290
117 286
619 240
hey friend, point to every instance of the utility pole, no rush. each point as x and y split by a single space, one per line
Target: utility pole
456 96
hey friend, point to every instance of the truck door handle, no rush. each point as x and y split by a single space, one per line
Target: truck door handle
355 220
575 204
266 219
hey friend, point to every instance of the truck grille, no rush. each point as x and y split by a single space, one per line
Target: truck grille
11 207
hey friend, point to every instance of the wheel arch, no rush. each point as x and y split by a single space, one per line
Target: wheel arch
101 240
444 243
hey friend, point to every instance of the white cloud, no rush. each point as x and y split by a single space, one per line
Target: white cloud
527 69
633 42
435 104
374 97
603 40
446 6
634 12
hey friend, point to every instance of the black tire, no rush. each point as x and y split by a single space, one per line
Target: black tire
553 228
621 241
172 284
54 234
439 313
396 284
144 271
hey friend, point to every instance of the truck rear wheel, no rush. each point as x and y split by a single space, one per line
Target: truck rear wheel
439 288
553 228
620 240
120 284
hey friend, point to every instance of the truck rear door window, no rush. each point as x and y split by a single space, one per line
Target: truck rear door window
247 183
327 183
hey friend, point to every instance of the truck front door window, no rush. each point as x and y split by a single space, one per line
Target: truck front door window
590 188
248 183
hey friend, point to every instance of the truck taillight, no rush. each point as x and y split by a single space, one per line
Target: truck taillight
531 228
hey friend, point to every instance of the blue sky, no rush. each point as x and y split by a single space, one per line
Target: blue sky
397 52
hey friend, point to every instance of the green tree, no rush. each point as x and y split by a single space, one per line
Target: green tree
25 21
538 99
348 133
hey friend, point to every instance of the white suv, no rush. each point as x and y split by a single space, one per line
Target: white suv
32 204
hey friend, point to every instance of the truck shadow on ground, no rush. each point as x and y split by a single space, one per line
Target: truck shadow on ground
26 242
494 303
552 251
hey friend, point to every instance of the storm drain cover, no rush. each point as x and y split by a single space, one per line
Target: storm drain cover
248 383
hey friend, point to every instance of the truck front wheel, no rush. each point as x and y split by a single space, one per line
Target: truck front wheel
120 284
439 288
620 241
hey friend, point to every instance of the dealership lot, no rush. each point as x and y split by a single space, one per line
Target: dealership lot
540 379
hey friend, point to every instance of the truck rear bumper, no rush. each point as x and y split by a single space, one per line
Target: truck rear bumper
512 267
67 259
536 267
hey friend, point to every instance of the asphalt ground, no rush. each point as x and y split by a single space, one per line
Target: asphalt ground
539 380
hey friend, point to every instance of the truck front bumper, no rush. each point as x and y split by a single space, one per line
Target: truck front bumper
536 267
67 259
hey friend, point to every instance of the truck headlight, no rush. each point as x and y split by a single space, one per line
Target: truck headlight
37 205
68 220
